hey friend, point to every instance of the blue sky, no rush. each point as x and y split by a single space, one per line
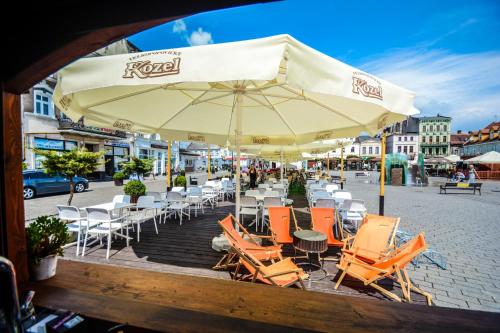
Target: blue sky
447 51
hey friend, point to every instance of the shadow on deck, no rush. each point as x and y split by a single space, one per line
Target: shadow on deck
187 249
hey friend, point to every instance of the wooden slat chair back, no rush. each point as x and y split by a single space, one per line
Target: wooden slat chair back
374 238
323 220
265 253
391 266
279 224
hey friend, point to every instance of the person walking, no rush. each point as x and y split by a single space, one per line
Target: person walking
253 176
472 174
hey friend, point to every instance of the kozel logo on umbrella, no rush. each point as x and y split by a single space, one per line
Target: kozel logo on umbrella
362 85
144 69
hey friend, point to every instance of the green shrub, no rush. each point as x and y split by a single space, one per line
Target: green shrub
180 181
118 176
135 188
46 236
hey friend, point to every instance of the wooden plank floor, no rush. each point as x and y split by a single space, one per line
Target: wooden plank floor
187 250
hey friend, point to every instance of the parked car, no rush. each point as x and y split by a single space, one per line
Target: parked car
36 182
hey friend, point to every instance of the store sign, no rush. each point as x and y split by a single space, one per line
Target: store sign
51 144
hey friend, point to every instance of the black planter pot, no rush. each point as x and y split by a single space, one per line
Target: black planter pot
118 182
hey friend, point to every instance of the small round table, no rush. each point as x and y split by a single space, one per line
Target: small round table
310 241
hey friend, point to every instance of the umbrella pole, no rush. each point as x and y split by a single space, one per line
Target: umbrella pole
239 99
382 178
328 164
281 165
169 159
342 168
209 171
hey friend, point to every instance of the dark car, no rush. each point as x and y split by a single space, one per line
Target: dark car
36 182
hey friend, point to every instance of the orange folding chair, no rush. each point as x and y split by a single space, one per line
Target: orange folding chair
282 273
391 266
374 238
265 253
279 224
323 220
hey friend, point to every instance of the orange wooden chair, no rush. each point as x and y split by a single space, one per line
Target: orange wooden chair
323 220
279 224
264 253
391 266
282 273
374 238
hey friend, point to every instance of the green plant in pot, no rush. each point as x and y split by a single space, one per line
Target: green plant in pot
118 177
135 189
180 181
45 238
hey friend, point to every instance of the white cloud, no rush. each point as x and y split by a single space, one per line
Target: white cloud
179 26
463 86
200 37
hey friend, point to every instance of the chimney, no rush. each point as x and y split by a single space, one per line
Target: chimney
459 131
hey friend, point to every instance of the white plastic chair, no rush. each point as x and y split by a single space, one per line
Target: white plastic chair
340 196
269 202
195 198
317 195
104 224
272 193
145 210
353 210
121 198
251 193
263 186
209 195
249 206
177 206
78 223
325 203
330 188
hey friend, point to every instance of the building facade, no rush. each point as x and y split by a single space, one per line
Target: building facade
457 142
483 141
435 135
403 137
44 126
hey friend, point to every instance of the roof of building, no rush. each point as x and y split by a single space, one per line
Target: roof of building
200 146
458 139
363 138
437 117
484 134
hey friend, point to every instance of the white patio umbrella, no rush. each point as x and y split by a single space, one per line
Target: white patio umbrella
491 157
273 90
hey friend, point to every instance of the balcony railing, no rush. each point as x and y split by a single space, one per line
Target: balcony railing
68 124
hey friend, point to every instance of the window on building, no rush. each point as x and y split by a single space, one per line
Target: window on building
444 138
430 139
424 128
352 149
437 139
405 149
406 138
438 128
423 139
377 150
411 138
370 150
445 128
364 150
444 150
431 128
399 138
399 149
43 103
411 149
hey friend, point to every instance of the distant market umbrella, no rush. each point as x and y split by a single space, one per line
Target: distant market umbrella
273 90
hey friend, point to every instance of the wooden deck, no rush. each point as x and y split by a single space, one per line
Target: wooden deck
187 250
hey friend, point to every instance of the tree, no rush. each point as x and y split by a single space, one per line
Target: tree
137 165
70 164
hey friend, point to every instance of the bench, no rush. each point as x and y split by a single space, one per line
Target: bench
464 187
363 174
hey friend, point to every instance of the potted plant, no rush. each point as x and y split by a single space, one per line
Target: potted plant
135 189
118 177
180 181
46 237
